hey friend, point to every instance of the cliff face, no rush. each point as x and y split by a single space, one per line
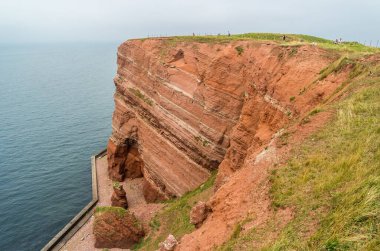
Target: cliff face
185 108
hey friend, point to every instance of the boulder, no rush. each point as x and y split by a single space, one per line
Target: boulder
115 227
151 193
199 213
169 244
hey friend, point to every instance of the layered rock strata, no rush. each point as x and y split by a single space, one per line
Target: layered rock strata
119 197
115 227
185 108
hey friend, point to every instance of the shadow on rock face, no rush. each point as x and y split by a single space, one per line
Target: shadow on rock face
124 160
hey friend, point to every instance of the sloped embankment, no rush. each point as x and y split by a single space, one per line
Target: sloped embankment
183 109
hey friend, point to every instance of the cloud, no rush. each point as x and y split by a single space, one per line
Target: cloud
117 20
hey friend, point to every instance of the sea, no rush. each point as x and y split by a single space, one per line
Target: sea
56 103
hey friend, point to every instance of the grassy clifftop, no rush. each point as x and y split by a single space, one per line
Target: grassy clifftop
291 39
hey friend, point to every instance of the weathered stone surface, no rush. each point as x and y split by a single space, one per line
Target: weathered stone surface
191 107
169 244
199 213
152 193
133 164
115 227
124 160
119 197
116 155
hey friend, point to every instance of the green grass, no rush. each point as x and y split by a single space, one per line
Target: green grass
116 185
335 67
239 49
332 182
202 141
315 111
291 40
174 218
336 178
116 210
293 52
140 95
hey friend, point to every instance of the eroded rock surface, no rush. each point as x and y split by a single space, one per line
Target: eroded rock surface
185 108
115 227
124 160
119 197
199 213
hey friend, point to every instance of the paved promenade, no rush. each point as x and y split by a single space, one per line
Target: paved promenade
83 239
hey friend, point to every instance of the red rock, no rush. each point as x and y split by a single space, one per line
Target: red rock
151 193
119 198
193 107
199 213
133 164
200 106
124 160
115 227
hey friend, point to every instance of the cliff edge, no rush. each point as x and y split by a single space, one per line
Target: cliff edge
185 107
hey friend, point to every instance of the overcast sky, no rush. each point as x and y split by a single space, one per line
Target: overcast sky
118 20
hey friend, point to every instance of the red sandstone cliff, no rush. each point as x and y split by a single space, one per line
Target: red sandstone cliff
185 108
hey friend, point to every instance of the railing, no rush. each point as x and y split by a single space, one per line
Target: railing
60 239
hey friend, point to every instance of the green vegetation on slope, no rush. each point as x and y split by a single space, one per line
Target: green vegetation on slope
332 182
116 210
335 181
140 95
174 218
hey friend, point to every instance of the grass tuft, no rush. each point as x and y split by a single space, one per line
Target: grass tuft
140 95
239 50
116 185
335 67
117 210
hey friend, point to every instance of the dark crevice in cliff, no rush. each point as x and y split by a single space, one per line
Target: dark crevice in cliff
125 162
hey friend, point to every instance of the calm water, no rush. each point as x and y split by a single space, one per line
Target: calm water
55 112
